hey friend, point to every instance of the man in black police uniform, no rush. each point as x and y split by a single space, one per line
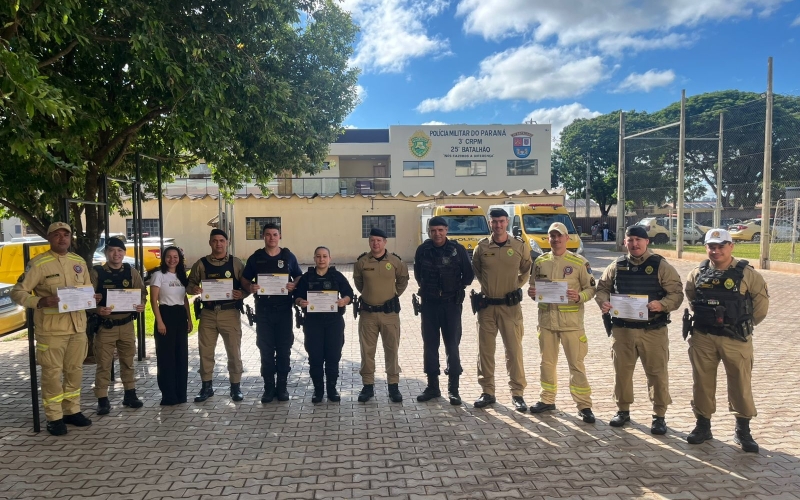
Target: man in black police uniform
274 335
442 270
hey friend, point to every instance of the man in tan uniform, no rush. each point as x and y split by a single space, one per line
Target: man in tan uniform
641 272
116 329
562 323
502 265
220 317
381 277
61 343
728 298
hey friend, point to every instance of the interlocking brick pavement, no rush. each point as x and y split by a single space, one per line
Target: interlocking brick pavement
236 451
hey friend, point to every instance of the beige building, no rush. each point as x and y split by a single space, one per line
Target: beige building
341 223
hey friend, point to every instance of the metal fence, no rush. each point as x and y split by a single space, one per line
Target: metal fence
721 182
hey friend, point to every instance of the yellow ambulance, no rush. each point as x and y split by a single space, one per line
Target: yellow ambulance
466 224
530 221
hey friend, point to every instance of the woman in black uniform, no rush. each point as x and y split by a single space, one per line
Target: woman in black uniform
324 331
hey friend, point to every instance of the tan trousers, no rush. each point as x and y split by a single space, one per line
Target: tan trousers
576 347
705 353
369 326
228 325
508 320
652 347
123 339
61 355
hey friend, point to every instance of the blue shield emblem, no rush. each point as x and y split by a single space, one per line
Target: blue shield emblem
522 144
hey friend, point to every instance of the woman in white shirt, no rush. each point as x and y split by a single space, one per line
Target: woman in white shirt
172 326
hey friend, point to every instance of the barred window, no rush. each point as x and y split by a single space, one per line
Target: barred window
255 225
385 222
522 167
149 228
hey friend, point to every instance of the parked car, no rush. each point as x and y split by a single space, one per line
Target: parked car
750 230
722 223
658 230
12 316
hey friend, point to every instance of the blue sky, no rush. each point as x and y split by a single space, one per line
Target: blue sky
508 61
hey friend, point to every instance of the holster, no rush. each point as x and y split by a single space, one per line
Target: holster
299 318
415 304
477 301
607 323
688 324
198 307
93 322
251 315
356 306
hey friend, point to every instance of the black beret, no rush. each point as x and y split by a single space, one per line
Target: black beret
638 231
498 212
377 232
437 221
115 242
216 231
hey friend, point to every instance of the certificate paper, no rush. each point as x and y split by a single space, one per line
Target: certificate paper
76 298
324 301
629 306
551 291
217 289
273 284
124 300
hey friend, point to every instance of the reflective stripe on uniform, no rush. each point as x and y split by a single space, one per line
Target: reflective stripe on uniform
571 258
568 309
55 399
45 260
72 395
580 391
583 338
42 347
549 387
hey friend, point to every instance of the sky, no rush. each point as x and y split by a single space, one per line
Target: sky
511 61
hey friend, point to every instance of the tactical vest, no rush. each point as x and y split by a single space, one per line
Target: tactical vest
317 283
719 306
225 271
640 279
441 271
265 264
113 279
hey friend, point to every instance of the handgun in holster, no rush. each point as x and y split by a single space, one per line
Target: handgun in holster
251 315
607 323
688 324
356 306
415 304
93 322
477 301
299 319
198 307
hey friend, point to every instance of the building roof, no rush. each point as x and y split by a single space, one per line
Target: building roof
421 194
364 135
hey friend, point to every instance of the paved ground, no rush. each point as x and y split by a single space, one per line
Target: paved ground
219 449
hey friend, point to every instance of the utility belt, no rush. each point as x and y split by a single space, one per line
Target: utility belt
199 305
715 324
642 325
108 323
390 306
481 301
458 298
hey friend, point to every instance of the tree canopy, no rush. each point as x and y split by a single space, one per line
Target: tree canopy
254 88
651 163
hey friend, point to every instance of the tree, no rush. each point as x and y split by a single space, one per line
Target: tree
254 88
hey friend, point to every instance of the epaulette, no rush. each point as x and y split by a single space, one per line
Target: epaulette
519 238
398 257
544 257
482 240
573 258
363 254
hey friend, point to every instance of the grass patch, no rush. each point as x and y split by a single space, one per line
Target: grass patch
778 252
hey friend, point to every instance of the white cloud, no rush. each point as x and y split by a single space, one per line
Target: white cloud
560 117
349 126
647 81
361 94
530 73
573 22
796 22
393 32
434 123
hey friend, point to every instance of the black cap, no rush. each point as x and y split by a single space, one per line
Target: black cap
216 231
377 232
115 242
498 212
437 221
638 231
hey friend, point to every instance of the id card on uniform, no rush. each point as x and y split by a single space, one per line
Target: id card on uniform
221 289
629 306
551 291
273 284
76 298
323 301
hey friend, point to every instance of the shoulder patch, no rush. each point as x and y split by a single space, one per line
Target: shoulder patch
360 256
398 257
519 238
589 269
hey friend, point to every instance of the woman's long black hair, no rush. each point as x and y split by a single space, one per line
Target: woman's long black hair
180 269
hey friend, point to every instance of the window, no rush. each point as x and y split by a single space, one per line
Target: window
417 169
385 222
326 165
254 225
149 228
469 168
522 167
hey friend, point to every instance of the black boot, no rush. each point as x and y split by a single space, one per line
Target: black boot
103 406
701 432
236 392
269 390
452 390
367 393
319 392
206 391
394 394
131 400
432 391
743 437
280 387
333 394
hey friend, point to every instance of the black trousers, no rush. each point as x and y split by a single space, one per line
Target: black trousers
172 355
444 317
274 338
323 343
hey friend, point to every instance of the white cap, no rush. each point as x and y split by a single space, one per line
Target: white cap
718 236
